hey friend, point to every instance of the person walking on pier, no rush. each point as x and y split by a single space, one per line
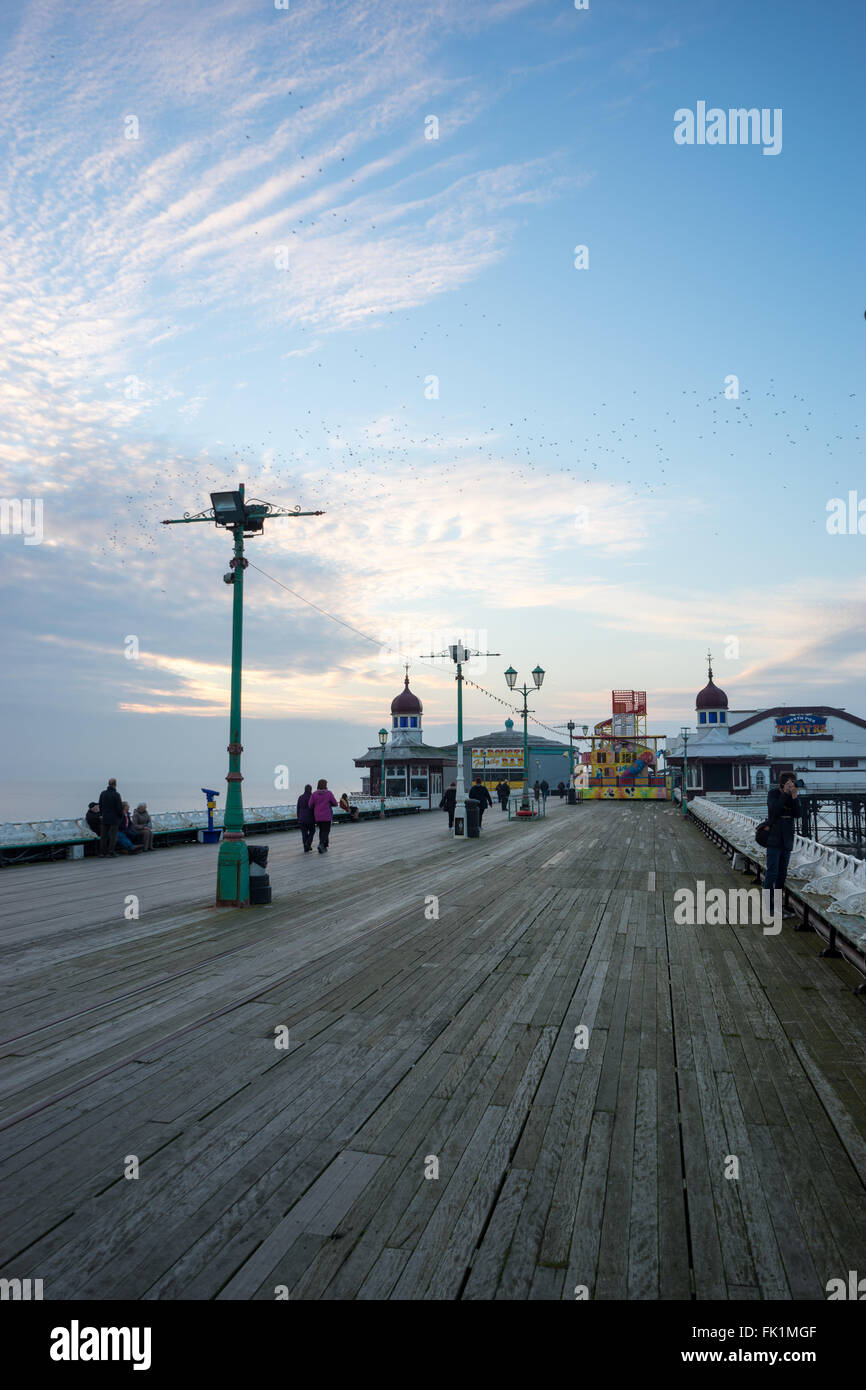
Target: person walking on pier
448 802
503 791
322 803
480 794
783 808
305 819
545 788
110 813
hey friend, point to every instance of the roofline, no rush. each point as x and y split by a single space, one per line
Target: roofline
791 709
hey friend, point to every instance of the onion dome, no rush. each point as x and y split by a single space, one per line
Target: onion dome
711 697
406 702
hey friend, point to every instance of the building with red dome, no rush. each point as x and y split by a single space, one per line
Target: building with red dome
742 752
412 767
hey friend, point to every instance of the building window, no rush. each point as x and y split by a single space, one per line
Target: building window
418 787
848 762
823 762
741 777
696 779
760 782
713 717
404 722
413 722
722 717
703 717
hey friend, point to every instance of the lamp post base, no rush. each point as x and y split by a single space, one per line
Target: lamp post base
460 819
233 873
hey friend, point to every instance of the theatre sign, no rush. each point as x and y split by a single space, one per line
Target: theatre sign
801 726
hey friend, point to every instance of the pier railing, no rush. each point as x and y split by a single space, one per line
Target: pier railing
25 841
826 887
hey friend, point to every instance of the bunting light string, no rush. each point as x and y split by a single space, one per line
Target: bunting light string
408 656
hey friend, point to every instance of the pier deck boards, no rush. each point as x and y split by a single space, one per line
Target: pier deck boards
418 1040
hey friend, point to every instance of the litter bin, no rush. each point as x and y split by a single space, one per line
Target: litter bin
258 856
572 797
473 818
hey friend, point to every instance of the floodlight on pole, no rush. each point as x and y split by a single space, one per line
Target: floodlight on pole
231 511
458 654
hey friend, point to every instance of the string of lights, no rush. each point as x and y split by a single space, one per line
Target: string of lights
407 656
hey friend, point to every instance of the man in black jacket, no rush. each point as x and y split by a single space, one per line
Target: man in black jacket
448 802
783 809
110 813
480 794
305 818
92 818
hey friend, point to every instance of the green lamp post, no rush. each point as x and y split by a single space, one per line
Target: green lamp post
383 739
684 731
459 654
511 677
233 513
571 726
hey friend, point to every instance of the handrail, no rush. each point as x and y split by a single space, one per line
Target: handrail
825 871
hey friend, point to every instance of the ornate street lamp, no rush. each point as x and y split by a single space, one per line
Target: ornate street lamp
231 511
383 739
570 726
685 731
538 677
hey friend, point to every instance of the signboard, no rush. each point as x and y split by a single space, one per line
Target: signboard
497 757
801 726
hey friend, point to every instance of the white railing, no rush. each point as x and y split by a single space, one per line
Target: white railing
32 834
817 868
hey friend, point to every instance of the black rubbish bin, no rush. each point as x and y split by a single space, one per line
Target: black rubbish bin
260 890
258 856
572 797
473 818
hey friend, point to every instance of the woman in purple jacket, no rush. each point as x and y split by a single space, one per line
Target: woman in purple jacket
321 804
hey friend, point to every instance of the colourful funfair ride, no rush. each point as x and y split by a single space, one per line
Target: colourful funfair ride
621 763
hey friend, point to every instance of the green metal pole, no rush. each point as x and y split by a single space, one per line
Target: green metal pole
685 776
233 864
460 798
525 748
382 787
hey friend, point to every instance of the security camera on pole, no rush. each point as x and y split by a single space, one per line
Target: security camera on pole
231 511
458 654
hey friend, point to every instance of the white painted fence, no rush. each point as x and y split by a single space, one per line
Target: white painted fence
27 834
816 868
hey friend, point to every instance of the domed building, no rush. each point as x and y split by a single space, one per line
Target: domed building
716 761
412 767
742 752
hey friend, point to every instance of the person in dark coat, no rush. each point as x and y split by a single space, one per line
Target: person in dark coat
783 810
448 802
305 819
110 813
480 794
545 788
503 791
92 818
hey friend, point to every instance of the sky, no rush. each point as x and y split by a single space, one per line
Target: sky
562 386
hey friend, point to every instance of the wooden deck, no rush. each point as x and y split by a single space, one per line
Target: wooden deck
414 1038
